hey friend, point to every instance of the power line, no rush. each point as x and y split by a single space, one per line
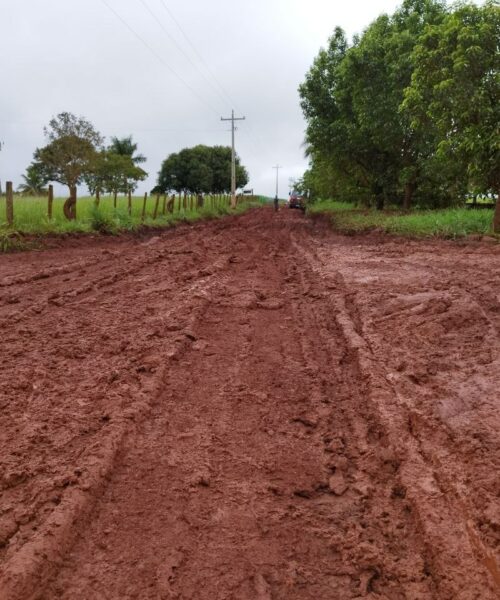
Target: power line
182 51
160 58
249 133
199 56
256 142
165 64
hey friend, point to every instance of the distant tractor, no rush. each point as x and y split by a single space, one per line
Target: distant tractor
297 200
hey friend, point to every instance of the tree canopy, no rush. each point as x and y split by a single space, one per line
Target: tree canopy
71 151
408 111
201 169
114 173
455 88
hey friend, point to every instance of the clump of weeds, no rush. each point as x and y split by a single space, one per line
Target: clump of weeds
10 241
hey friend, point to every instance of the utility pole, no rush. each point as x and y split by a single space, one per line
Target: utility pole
233 157
277 167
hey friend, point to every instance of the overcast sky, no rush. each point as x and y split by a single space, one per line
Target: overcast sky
167 85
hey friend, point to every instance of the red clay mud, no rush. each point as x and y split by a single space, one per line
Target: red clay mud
253 408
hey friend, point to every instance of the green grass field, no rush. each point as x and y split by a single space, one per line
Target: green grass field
30 214
445 223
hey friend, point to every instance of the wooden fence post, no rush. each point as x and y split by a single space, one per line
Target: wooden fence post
156 206
130 203
9 203
50 201
143 216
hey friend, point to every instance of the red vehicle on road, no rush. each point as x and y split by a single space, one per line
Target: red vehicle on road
297 201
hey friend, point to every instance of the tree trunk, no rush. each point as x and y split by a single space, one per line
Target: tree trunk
114 199
69 207
97 197
130 203
496 216
378 192
409 188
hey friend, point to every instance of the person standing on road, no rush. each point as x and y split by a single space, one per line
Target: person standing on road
275 203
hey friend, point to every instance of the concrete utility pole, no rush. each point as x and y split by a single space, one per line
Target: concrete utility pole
277 167
233 157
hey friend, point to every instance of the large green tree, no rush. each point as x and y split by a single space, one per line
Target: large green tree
351 99
329 145
455 89
71 151
379 68
201 169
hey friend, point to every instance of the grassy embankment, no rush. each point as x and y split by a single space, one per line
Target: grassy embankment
445 223
30 215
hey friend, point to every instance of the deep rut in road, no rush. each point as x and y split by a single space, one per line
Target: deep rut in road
264 458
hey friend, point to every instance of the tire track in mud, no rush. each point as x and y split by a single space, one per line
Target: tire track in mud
25 571
252 467
443 513
43 494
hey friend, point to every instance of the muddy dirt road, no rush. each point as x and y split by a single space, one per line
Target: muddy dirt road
254 408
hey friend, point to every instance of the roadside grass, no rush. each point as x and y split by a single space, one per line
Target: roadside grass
30 215
445 223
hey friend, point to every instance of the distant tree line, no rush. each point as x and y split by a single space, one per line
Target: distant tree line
75 154
409 111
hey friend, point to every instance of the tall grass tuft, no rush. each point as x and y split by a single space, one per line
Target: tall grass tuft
101 222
